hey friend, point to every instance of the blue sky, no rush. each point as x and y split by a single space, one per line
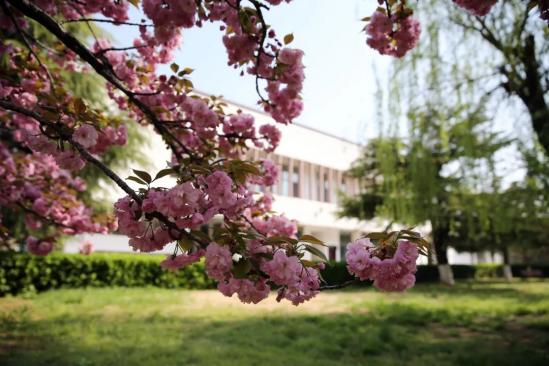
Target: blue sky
340 80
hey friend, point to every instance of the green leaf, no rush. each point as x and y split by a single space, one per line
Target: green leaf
185 244
376 236
143 175
311 239
163 173
288 38
137 180
279 239
185 71
174 67
241 268
201 235
317 252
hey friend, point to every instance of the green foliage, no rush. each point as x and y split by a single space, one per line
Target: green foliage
25 273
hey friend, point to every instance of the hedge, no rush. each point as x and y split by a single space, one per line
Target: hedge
25 273
336 272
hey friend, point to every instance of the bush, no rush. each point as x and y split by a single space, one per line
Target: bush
489 270
23 273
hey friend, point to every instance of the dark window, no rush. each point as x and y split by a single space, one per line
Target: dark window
318 187
326 188
295 182
332 253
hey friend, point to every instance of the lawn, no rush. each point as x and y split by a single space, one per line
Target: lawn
470 324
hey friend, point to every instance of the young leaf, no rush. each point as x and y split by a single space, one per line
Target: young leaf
241 268
288 38
137 180
317 252
163 173
174 67
311 239
79 106
143 175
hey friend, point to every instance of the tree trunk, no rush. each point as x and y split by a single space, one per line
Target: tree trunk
440 243
530 91
507 272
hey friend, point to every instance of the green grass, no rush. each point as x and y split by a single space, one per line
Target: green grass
470 324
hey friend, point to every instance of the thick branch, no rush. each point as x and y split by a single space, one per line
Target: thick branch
103 69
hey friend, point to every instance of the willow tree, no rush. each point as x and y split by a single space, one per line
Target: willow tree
423 178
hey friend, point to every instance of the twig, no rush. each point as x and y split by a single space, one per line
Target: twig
106 21
339 285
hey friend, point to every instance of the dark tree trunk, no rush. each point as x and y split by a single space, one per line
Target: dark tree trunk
441 234
507 272
440 238
530 91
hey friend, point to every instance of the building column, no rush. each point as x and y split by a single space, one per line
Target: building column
320 183
302 181
291 177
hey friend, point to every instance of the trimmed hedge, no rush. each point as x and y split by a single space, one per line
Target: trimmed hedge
23 273
26 273
336 272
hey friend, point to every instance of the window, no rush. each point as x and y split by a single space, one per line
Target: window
326 188
318 187
332 253
285 181
295 182
344 239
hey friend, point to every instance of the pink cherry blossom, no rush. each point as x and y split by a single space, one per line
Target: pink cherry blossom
86 248
476 7
86 136
283 270
218 261
174 263
39 247
392 36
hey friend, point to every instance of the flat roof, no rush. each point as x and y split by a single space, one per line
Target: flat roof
257 110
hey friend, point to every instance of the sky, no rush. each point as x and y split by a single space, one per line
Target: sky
340 75
340 69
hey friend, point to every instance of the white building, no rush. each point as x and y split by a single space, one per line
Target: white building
312 167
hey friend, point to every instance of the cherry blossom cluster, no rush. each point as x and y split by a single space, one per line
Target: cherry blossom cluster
392 30
393 35
394 272
476 7
46 194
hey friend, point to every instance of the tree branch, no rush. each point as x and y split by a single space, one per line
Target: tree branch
85 154
103 69
339 285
